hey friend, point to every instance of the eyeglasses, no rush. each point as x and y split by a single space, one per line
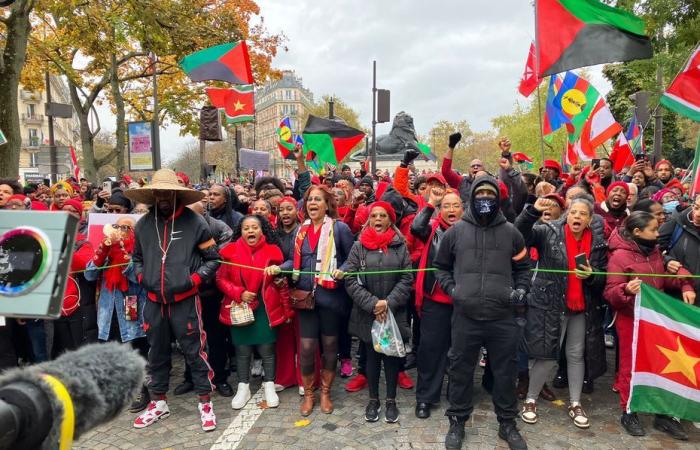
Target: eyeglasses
121 227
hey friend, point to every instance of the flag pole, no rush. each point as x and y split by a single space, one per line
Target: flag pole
539 120
537 74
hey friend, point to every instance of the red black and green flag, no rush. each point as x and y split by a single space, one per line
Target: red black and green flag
579 33
330 141
665 356
226 62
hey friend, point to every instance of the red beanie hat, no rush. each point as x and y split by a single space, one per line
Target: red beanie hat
19 197
552 164
621 184
288 199
663 161
557 198
185 179
75 203
387 206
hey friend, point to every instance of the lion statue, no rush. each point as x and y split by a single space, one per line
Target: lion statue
392 145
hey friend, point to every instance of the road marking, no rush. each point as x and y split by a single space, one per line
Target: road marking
239 427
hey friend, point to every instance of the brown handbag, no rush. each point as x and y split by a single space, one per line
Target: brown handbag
300 299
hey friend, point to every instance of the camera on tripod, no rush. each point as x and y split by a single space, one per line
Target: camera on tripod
35 254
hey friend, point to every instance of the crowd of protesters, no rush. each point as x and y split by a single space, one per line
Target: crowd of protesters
275 279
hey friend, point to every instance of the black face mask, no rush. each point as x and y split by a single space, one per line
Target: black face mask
485 207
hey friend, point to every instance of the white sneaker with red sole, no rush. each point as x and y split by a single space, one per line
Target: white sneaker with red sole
206 413
156 411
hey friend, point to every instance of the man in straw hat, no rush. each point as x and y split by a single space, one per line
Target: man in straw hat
173 254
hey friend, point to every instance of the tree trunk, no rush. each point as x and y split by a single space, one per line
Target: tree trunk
11 63
86 136
121 116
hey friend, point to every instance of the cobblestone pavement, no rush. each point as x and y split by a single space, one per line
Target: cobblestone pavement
253 428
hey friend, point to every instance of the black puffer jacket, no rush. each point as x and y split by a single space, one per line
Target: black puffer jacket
479 265
547 297
367 290
686 248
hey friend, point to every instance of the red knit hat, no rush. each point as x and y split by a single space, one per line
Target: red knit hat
663 161
551 164
19 197
557 198
621 184
288 199
387 206
75 203
183 176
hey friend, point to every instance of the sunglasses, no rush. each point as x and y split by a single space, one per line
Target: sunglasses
121 227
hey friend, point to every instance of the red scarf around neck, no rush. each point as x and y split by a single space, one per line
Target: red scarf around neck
377 241
250 255
575 299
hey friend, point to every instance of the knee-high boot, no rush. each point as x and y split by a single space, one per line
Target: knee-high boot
307 403
327 377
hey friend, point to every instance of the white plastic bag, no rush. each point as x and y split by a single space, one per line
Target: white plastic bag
386 337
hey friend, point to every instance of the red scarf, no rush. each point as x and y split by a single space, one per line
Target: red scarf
575 299
423 262
251 256
114 277
372 240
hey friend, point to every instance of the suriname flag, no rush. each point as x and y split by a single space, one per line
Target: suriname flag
665 356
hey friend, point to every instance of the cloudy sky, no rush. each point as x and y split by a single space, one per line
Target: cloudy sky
447 59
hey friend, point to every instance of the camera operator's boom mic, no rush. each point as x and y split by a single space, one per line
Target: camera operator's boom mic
99 378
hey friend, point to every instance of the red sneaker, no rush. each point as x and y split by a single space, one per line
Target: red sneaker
356 384
157 409
405 382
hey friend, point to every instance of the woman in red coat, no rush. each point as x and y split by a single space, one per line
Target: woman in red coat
634 249
255 246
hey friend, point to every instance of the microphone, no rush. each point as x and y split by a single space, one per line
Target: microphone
100 379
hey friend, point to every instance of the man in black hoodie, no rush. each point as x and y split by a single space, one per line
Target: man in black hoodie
482 264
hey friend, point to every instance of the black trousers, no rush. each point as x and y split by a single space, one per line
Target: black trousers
392 367
432 352
218 335
500 337
183 321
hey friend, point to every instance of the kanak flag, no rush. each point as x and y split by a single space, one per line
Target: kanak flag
683 95
530 80
665 356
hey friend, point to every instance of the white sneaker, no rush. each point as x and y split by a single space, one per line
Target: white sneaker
257 369
156 410
273 401
206 413
279 387
242 396
301 391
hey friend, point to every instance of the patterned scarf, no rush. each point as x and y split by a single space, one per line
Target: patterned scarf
326 261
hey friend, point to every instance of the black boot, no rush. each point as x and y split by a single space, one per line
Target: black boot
509 433
631 424
422 410
670 426
560 380
455 435
587 386
141 401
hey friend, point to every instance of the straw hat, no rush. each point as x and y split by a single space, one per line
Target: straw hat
164 180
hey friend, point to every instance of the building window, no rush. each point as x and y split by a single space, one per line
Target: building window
288 94
33 159
33 137
30 110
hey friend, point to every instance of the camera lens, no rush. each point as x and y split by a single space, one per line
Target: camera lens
24 260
